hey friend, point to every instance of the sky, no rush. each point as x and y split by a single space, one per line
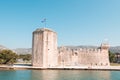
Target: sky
77 22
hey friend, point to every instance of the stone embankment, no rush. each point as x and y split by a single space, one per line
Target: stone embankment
106 68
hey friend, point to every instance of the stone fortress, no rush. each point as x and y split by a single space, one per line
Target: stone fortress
46 54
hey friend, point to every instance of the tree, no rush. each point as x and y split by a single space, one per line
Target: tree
25 57
7 57
111 57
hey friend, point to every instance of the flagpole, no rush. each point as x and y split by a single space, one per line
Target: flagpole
44 22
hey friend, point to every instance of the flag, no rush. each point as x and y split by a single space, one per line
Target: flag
44 20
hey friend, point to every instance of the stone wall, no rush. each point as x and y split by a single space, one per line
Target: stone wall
45 53
83 57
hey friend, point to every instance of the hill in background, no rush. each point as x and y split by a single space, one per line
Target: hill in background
115 49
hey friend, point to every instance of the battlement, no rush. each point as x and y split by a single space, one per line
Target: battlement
80 50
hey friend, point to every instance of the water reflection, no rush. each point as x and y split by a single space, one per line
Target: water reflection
44 74
15 75
70 75
115 75
58 75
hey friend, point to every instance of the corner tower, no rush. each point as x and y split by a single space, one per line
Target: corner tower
44 48
105 47
105 54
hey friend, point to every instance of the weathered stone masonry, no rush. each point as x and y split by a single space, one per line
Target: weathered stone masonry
83 56
45 52
44 48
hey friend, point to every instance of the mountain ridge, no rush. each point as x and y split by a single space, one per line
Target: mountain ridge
115 49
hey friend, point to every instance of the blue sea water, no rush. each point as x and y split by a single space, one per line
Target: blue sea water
58 75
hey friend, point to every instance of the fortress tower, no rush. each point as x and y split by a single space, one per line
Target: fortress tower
44 48
45 53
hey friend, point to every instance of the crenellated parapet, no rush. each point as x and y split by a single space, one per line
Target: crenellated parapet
85 56
81 50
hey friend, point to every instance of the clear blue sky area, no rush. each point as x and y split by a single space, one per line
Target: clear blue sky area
77 22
